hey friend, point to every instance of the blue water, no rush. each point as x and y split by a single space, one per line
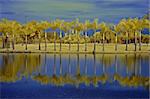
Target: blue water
20 75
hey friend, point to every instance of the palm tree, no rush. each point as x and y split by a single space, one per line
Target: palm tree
142 24
95 27
85 28
116 37
77 29
66 27
137 26
39 29
28 29
60 24
15 30
124 27
104 30
134 28
9 29
45 25
54 27
4 30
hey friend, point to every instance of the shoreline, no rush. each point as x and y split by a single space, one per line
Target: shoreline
109 49
58 52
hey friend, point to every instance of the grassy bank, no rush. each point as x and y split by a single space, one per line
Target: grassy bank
109 48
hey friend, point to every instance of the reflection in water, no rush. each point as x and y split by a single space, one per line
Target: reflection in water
14 67
128 70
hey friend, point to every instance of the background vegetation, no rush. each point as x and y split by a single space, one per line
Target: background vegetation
60 31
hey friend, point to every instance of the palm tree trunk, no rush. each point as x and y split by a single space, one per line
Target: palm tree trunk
78 40
45 41
94 44
78 44
60 44
126 41
7 42
69 42
116 46
26 41
39 41
69 45
140 42
103 42
54 41
85 42
60 41
13 42
3 41
135 40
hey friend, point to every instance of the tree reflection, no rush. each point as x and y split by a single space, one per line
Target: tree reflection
15 66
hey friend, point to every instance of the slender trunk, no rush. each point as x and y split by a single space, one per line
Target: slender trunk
126 41
60 44
26 41
78 45
3 41
54 41
94 44
69 45
45 41
13 42
103 42
60 41
77 41
7 42
85 42
140 42
69 42
39 41
116 46
135 40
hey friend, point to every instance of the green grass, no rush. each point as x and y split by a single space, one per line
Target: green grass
109 48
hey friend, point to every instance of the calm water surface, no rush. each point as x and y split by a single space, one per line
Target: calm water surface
74 76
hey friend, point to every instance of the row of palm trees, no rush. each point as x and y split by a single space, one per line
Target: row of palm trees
11 29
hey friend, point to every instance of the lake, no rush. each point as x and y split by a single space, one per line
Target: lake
74 76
